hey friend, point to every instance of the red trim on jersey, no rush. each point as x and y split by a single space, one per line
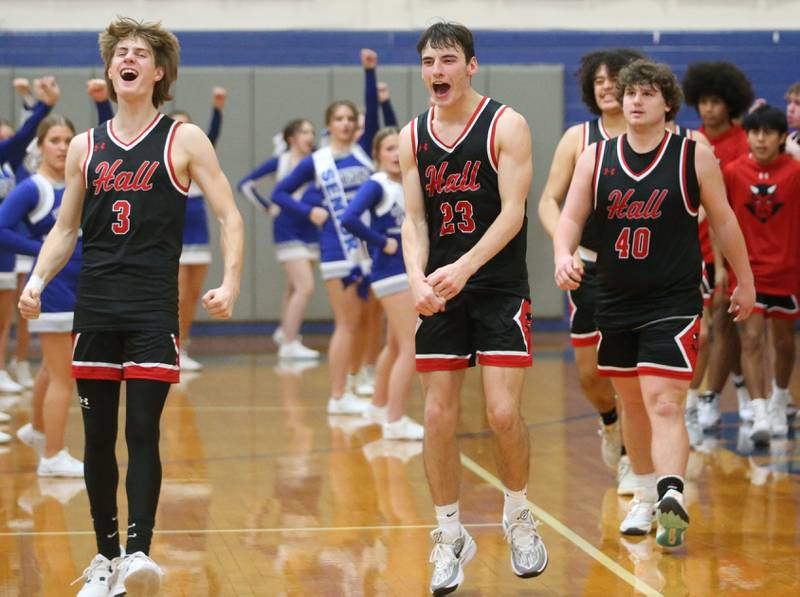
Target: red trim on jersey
652 164
591 339
656 371
477 111
414 138
91 372
87 159
443 364
139 136
152 373
492 130
177 182
505 360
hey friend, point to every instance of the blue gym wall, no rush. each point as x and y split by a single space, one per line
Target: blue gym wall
769 58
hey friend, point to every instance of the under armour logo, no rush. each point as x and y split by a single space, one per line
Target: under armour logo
524 515
84 402
424 147
609 171
99 146
763 175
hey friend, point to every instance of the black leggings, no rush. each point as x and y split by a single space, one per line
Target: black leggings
100 406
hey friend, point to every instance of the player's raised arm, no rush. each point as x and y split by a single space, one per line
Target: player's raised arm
727 233
514 175
60 241
577 208
415 230
555 189
204 168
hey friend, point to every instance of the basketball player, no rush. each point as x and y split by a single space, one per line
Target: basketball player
793 118
196 253
467 167
721 93
598 83
644 190
126 188
764 191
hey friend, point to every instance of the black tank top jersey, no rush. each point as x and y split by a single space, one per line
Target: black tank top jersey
462 199
593 132
132 226
649 262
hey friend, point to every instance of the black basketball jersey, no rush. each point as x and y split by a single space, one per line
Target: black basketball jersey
593 132
462 199
132 225
648 263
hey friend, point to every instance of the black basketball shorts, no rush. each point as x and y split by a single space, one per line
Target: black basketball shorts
664 348
779 306
490 329
582 324
119 355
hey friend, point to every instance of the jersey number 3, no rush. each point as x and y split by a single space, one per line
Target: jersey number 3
123 210
466 223
639 247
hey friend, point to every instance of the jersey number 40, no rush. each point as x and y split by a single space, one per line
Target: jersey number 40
465 222
639 246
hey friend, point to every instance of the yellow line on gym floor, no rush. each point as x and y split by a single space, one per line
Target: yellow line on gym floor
567 533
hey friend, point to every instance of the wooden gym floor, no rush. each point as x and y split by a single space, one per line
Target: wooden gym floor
264 494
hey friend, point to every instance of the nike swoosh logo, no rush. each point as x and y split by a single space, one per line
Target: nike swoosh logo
451 514
114 534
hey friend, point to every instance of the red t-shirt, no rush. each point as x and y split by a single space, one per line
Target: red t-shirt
727 147
766 201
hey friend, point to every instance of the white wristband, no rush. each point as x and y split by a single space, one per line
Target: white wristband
35 283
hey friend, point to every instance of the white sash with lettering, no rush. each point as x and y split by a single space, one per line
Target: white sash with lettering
333 190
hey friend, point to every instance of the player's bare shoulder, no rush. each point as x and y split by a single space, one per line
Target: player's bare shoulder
189 137
512 132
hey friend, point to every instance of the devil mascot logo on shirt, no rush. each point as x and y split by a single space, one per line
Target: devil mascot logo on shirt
762 202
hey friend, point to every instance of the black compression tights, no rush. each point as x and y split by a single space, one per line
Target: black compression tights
100 405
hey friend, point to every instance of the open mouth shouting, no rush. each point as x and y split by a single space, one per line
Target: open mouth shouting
440 89
128 74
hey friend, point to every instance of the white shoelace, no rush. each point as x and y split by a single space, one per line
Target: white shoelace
89 571
442 556
523 534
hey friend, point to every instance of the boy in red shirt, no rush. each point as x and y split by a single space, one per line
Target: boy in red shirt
720 92
764 192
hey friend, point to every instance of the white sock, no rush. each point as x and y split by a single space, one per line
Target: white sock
447 517
514 500
692 398
779 392
647 483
